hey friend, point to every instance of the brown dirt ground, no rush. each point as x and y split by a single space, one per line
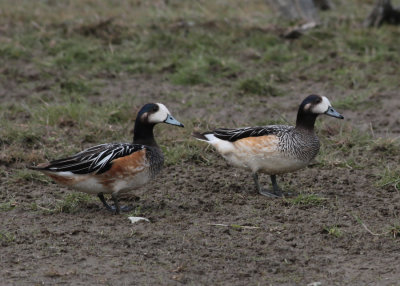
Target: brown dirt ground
181 246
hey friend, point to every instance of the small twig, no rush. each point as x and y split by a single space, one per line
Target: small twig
43 208
376 234
234 225
367 229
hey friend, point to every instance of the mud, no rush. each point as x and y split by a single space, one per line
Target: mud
208 225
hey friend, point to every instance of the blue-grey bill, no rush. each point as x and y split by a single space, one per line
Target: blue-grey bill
173 121
332 112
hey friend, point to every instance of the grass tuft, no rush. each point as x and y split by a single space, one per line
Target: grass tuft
389 178
73 202
25 175
6 238
259 87
7 206
333 231
395 231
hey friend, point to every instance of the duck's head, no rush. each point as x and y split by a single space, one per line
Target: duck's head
153 113
312 106
317 104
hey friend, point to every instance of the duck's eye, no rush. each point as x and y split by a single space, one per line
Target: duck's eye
155 108
318 101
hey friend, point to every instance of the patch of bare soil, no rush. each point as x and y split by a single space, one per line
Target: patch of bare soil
261 241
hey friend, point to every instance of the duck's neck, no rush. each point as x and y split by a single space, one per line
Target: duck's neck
305 120
143 134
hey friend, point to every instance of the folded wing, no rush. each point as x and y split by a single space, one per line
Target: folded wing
97 159
233 135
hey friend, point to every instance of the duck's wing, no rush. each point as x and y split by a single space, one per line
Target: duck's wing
96 159
233 135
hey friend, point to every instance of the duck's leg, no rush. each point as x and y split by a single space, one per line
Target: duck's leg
276 188
116 203
255 178
116 207
103 200
273 194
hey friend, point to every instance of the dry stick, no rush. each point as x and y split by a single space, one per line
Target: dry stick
376 234
366 228
227 225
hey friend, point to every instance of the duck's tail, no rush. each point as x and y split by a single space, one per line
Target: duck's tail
200 136
40 167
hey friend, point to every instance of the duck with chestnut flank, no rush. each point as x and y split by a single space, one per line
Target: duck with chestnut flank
114 168
274 149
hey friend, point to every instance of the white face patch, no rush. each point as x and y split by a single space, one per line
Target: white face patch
321 107
307 106
160 115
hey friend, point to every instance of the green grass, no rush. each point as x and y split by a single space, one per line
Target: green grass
73 202
203 69
344 146
333 231
7 206
354 101
259 87
75 75
395 231
25 175
389 178
6 237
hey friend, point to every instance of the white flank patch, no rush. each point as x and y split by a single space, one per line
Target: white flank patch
64 174
135 219
160 115
321 107
211 137
222 146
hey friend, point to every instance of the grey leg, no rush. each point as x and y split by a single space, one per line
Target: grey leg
276 188
116 204
116 207
273 194
103 200
255 178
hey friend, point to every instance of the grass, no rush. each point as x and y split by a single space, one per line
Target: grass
333 231
7 206
77 74
389 178
259 87
394 231
345 146
25 175
6 237
354 101
71 203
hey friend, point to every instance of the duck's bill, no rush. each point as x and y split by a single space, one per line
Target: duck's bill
332 112
173 121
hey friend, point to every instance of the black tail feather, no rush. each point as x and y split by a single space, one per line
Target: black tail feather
200 136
